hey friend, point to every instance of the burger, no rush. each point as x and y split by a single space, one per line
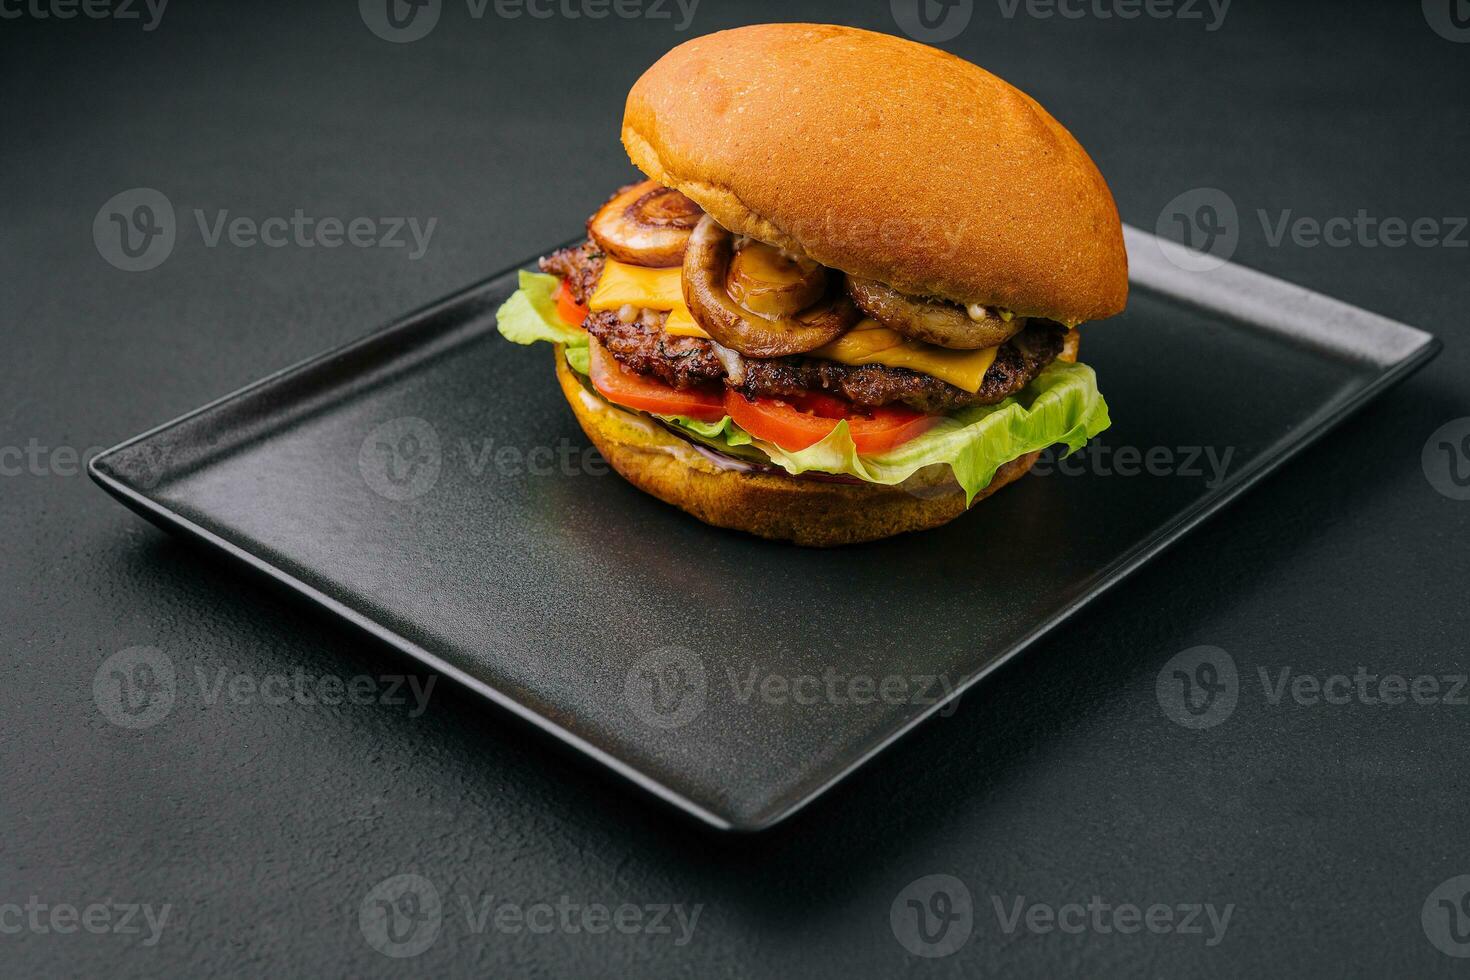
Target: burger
844 303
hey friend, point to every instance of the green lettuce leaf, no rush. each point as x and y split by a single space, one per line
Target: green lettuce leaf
1063 405
580 358
530 316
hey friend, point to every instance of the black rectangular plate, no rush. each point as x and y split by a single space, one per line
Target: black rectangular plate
632 631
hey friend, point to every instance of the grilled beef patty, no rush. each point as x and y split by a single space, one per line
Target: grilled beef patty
580 265
688 362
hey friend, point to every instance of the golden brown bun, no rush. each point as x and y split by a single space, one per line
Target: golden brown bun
886 159
808 512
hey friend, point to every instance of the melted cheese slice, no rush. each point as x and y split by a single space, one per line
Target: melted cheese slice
648 289
869 342
633 285
872 343
681 323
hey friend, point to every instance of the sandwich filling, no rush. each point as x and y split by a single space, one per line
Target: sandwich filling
772 358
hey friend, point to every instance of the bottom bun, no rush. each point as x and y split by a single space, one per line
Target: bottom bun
812 512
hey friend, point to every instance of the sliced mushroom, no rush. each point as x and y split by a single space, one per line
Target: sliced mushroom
646 224
706 272
933 321
765 280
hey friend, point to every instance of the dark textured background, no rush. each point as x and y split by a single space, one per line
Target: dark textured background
264 826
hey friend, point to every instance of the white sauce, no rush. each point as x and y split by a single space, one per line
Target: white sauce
733 363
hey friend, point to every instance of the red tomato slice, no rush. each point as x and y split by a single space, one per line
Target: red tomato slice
649 394
796 428
816 403
569 309
888 428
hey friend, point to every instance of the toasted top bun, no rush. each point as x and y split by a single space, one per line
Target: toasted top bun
885 159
